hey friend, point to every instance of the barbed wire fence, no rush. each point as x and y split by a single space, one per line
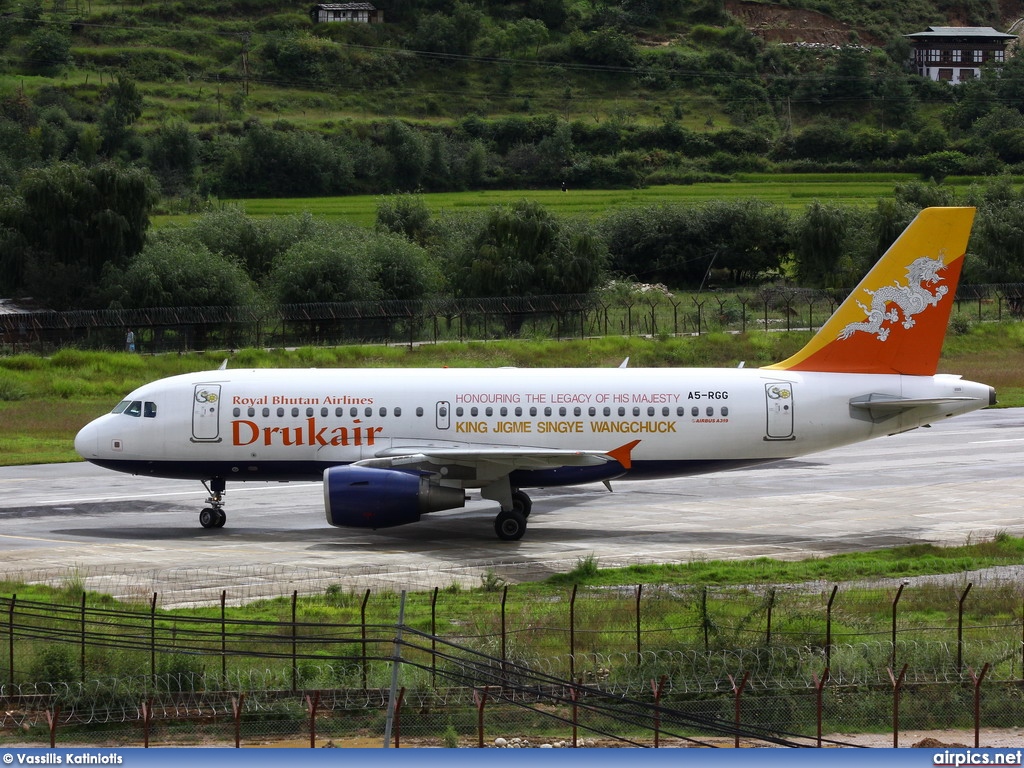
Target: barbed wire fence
632 665
647 313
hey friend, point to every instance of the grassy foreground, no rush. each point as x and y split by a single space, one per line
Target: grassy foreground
44 401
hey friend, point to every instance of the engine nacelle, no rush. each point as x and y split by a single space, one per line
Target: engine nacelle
364 497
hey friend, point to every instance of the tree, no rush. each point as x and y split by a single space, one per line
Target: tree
172 153
406 215
325 268
74 222
175 272
818 237
523 250
47 51
122 108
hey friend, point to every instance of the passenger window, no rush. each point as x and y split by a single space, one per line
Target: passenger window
236 411
149 410
680 411
577 411
324 412
280 412
251 411
398 411
353 412
547 410
489 411
459 411
135 408
592 411
339 412
636 410
650 410
695 411
725 410
473 411
266 412
533 410
419 411
607 411
519 410
368 411
710 411
622 411
383 412
295 412
504 411
665 411
309 412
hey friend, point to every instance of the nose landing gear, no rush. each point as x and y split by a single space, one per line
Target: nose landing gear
214 516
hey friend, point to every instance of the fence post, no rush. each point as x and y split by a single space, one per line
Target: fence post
738 694
82 637
960 629
639 590
152 639
657 689
312 704
51 722
433 638
897 685
398 717
362 621
828 628
147 719
572 633
819 686
977 702
396 660
895 601
771 604
223 638
236 715
10 639
481 702
504 639
295 640
574 694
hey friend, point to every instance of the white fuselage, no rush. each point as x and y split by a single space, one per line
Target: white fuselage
286 424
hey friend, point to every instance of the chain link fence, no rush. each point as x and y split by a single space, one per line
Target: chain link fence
639 313
780 664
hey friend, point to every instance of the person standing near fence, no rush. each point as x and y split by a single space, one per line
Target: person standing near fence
129 341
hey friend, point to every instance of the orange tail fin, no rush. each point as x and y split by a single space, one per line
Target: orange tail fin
895 320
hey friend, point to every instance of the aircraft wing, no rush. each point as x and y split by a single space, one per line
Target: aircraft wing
493 460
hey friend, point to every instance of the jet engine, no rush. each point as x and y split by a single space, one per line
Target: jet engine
365 497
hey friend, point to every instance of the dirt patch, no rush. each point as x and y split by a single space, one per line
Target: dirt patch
779 24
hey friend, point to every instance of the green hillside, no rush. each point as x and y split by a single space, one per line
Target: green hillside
111 113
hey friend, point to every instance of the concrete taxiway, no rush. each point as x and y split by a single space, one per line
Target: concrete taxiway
131 536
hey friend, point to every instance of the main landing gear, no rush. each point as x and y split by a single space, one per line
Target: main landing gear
213 516
510 524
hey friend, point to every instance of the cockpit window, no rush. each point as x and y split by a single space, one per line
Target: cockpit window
149 410
134 408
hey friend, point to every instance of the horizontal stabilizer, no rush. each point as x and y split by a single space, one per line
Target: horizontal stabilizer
882 406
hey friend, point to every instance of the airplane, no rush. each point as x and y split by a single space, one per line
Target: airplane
393 445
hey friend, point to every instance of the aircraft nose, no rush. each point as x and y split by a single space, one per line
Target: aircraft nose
85 440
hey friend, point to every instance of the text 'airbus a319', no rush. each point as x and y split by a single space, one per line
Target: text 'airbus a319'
393 445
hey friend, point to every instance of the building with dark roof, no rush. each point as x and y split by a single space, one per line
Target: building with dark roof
956 54
361 13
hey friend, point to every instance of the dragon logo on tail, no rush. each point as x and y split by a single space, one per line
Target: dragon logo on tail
908 300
